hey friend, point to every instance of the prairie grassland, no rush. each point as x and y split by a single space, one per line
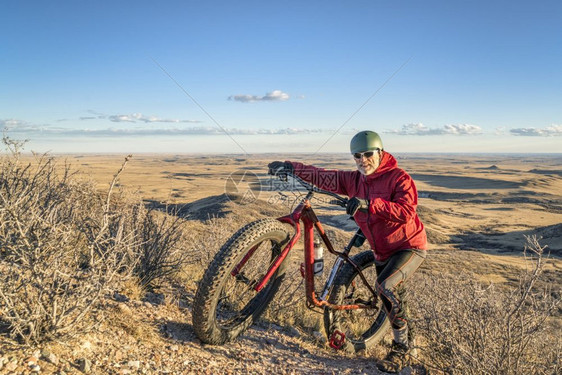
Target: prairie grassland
477 211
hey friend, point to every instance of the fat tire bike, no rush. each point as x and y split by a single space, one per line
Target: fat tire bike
247 271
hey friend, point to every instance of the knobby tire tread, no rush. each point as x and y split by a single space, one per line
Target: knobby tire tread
216 275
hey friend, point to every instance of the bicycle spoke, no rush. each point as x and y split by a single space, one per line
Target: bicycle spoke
238 295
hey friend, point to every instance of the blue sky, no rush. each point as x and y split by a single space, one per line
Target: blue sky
255 76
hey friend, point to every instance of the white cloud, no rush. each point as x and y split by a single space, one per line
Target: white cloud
452 129
549 131
142 118
274 96
198 130
462 129
121 118
18 125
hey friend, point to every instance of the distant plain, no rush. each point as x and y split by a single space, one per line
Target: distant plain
485 203
482 202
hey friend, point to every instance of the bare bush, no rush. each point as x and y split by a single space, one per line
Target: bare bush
159 252
62 247
470 328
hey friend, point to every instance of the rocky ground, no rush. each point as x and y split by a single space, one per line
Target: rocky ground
155 337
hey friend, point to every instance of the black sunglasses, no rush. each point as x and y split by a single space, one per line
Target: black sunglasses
366 154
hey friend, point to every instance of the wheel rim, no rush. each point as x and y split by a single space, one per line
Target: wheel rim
238 300
359 325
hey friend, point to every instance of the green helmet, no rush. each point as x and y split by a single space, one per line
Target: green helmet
365 140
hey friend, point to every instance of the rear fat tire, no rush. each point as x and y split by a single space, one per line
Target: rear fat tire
220 310
370 326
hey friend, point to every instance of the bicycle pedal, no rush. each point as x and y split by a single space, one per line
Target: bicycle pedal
337 340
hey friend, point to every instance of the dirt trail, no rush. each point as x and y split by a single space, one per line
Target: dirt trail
141 337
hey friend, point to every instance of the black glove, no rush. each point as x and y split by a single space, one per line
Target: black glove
280 168
355 204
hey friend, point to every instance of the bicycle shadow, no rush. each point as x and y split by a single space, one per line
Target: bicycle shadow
334 361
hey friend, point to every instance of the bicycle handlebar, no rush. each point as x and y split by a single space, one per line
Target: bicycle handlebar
339 200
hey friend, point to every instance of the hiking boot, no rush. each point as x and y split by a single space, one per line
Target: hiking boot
396 359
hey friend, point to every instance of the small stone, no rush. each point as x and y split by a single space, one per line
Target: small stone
156 298
120 297
86 345
11 366
47 356
52 359
124 309
134 364
31 361
124 371
174 348
35 368
293 332
118 355
85 365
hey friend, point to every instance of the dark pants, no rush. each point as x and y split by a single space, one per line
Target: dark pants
391 275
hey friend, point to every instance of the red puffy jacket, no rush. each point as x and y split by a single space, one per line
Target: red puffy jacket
391 224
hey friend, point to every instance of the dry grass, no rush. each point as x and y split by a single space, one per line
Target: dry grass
470 327
65 247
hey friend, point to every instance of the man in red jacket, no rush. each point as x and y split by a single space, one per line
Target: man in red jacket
383 200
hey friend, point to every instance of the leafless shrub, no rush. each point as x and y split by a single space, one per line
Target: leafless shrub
470 328
159 252
62 247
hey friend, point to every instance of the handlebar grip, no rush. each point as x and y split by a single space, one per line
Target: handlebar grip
338 202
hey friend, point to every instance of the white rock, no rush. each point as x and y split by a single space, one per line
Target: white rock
11 366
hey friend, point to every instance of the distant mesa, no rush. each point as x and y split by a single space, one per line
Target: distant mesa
551 231
492 167
242 207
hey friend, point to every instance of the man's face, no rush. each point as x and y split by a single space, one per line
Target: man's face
367 164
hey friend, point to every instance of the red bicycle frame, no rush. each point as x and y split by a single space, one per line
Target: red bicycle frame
303 212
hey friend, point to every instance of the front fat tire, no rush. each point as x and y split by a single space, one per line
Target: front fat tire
368 326
225 306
